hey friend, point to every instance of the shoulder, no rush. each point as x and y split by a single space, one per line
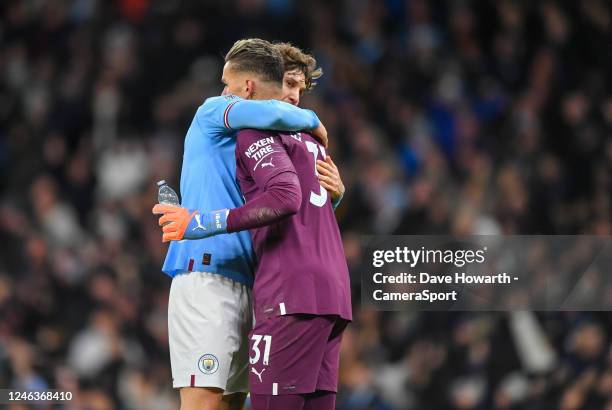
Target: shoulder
221 102
214 110
293 137
250 140
250 133
305 136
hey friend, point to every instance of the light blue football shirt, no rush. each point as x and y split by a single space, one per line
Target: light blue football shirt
208 180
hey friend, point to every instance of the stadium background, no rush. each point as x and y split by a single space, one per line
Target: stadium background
445 117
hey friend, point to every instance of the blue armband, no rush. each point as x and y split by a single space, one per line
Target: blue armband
336 202
206 224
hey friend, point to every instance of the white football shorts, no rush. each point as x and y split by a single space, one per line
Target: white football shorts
209 318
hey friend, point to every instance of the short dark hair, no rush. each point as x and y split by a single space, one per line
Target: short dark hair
296 59
258 56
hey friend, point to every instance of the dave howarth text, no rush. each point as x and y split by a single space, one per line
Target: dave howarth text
459 278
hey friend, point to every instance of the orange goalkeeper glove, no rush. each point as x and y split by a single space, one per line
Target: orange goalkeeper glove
180 223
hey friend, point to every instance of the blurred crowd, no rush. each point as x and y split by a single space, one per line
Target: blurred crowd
460 117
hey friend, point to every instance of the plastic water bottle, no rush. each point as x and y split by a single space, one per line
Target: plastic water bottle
166 195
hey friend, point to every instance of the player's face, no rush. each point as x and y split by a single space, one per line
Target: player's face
248 85
235 82
294 84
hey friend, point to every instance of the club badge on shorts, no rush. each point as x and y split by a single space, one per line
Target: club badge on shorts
208 364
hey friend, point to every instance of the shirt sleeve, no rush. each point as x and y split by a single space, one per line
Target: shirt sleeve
264 159
231 112
281 198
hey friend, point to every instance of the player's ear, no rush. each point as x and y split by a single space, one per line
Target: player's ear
249 89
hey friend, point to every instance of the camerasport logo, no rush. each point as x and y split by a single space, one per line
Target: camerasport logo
208 364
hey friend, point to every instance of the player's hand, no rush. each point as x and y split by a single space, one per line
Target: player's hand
174 221
321 133
179 223
329 178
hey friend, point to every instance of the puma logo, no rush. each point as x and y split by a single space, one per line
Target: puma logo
258 374
267 164
199 225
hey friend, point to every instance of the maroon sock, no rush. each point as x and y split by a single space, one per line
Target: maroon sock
320 400
281 402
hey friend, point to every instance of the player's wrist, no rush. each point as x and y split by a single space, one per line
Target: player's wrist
336 201
205 224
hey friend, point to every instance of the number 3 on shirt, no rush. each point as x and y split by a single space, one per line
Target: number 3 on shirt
320 198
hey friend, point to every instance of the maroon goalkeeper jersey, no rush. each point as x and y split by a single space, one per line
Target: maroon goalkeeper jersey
301 267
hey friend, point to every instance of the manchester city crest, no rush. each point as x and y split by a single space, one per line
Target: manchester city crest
208 364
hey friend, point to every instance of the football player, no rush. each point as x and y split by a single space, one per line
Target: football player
209 312
301 290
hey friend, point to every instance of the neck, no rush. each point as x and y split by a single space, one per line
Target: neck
266 92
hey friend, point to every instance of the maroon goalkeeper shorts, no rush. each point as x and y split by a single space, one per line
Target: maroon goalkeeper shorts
295 354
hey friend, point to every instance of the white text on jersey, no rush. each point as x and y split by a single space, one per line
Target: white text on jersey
259 148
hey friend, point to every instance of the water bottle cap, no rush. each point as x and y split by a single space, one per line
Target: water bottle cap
161 182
